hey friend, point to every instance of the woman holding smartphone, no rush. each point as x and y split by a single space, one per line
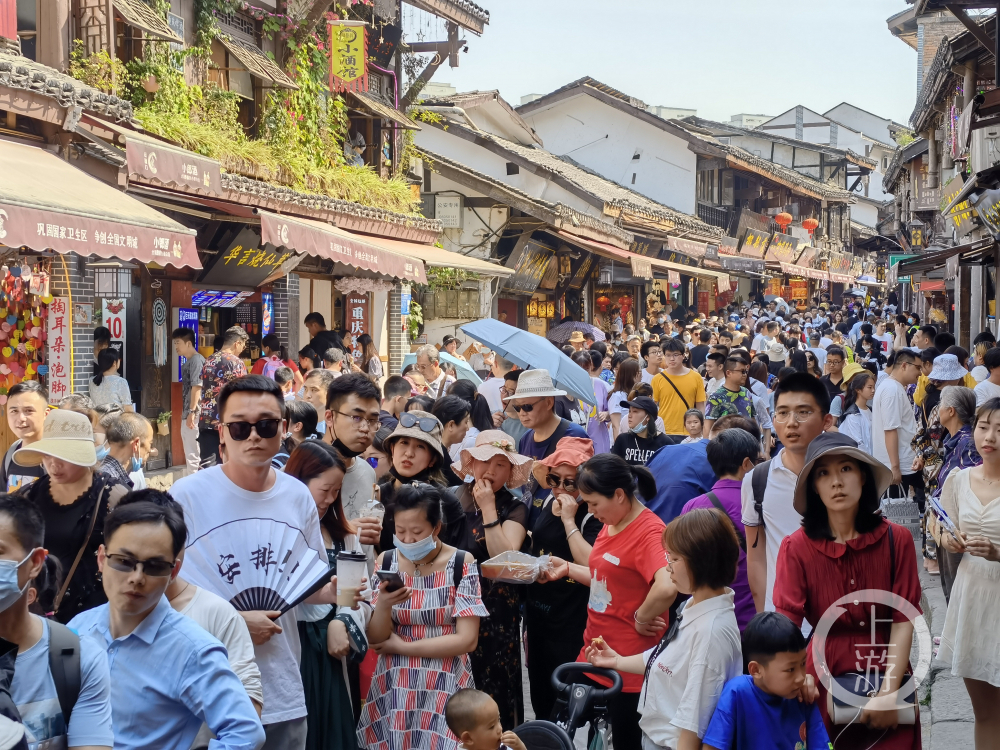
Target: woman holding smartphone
422 631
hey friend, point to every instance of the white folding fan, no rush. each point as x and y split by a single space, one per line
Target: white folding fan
260 564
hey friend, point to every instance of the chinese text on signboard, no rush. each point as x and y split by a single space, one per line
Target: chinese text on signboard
348 56
60 352
357 321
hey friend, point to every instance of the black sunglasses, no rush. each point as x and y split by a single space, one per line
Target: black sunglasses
151 568
526 408
266 429
426 424
554 480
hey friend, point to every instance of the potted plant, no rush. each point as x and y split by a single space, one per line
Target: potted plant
163 423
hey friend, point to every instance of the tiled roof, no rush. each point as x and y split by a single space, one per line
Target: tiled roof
21 73
863 231
594 84
257 63
726 128
545 208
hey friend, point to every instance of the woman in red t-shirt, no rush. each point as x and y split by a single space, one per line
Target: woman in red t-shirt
630 588
272 348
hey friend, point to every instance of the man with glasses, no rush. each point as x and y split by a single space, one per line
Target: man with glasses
168 675
491 388
429 365
511 423
733 397
246 486
801 413
652 352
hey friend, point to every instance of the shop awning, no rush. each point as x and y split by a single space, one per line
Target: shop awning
929 261
382 110
436 257
840 278
137 13
46 203
808 273
257 63
327 241
665 265
641 265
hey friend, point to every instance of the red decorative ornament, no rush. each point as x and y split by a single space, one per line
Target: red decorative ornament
783 220
810 225
603 302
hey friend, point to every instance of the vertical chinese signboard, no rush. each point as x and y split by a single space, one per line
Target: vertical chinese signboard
357 321
60 353
348 56
113 318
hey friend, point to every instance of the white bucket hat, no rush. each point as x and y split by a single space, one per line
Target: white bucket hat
947 367
535 384
67 436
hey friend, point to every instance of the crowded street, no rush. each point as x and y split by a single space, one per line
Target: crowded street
355 397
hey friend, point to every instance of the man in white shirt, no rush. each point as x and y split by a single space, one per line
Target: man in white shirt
652 352
715 372
884 339
989 388
923 338
765 338
243 489
801 413
894 426
429 365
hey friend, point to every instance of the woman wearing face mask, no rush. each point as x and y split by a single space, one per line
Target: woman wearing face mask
423 641
496 524
332 637
856 422
630 588
417 455
301 420
642 440
845 545
556 612
130 440
74 499
869 350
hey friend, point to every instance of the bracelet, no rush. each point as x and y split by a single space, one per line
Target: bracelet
637 620
491 525
574 531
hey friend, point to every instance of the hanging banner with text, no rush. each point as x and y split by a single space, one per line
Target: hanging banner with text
113 318
356 322
348 56
60 352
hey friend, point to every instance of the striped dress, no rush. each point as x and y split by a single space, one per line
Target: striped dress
405 704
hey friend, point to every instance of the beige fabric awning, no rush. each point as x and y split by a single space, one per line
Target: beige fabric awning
137 13
383 110
257 63
436 257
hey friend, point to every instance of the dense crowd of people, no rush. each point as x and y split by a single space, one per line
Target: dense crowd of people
723 494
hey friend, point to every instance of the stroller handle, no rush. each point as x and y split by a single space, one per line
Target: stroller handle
564 670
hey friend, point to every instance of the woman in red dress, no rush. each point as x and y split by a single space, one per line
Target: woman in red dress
846 546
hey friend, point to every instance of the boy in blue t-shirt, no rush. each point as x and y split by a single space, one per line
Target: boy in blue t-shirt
762 709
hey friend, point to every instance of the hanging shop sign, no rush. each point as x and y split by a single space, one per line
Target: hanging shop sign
158 162
754 244
530 267
687 247
357 321
646 246
582 272
711 252
246 262
641 267
540 308
742 265
961 216
60 351
729 246
987 205
348 56
722 283
672 256
924 198
674 278
113 318
840 263
184 317
782 248
405 296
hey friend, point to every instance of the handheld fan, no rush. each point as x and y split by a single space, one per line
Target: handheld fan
259 564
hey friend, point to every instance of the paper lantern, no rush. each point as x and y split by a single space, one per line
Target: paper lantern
783 220
810 225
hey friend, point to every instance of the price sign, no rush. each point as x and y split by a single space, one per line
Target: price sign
113 318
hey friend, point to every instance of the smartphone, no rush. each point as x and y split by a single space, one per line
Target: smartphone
392 578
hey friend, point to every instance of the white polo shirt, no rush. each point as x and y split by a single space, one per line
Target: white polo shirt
893 410
780 518
686 678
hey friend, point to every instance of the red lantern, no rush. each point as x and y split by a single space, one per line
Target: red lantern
783 220
602 302
810 225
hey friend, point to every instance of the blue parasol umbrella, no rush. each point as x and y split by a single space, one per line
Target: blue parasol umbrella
530 351
560 334
463 370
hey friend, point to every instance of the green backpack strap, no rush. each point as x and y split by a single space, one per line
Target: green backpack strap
64 663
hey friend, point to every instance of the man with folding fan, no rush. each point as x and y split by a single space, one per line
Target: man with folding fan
254 540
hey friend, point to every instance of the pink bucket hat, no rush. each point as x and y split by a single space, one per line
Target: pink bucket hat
490 443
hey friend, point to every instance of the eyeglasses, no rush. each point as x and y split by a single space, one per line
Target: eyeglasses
373 424
526 408
801 415
426 424
151 568
266 429
505 392
554 480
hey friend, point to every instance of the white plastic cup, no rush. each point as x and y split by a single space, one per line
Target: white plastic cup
374 509
351 569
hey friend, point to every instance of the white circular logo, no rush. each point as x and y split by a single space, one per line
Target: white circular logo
868 662
151 162
283 233
3 218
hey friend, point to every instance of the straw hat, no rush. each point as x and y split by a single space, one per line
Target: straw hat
576 337
947 367
490 443
535 384
67 436
570 450
835 442
419 422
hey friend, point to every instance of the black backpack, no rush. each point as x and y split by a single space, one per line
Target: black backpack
758 483
64 664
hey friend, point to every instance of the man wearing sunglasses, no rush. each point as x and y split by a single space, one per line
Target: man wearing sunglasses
246 486
142 634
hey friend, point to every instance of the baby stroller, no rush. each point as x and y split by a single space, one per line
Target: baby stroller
577 704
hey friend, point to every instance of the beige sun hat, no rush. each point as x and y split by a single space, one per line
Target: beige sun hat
535 384
490 443
67 436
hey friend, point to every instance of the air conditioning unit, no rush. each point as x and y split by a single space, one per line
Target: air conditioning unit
985 148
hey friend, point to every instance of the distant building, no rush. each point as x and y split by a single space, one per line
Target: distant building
436 90
530 98
671 113
748 122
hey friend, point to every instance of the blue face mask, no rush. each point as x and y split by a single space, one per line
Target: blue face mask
416 550
102 452
9 590
136 465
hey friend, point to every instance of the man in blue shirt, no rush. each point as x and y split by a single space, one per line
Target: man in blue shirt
33 689
168 675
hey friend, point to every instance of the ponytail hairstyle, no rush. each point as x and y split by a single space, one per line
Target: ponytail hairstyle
482 417
105 361
272 342
606 472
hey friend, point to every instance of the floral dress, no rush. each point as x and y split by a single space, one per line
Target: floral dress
406 700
